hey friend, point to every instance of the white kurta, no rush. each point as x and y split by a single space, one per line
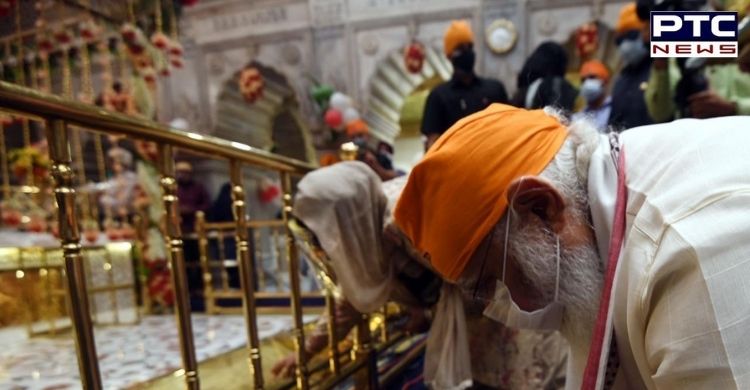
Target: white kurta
682 292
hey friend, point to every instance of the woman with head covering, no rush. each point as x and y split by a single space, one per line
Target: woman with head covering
542 82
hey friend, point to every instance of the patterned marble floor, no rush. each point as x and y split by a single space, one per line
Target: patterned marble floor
128 355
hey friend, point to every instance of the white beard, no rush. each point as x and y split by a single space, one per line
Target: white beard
534 249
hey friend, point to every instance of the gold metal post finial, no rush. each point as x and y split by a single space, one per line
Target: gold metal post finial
348 151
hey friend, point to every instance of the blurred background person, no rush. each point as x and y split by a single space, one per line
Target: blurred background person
628 100
595 79
380 159
542 82
192 195
465 93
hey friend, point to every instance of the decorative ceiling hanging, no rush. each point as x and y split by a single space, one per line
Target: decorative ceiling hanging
251 84
90 31
587 40
174 50
414 56
414 53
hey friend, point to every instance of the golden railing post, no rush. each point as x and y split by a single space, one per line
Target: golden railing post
294 285
78 299
90 272
247 272
177 263
384 328
334 361
141 231
363 350
109 269
200 229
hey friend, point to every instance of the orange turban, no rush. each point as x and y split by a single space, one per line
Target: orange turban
629 20
458 32
357 127
457 193
594 68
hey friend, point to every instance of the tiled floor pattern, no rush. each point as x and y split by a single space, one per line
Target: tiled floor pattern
128 355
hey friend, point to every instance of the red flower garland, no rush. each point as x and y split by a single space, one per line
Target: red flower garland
414 56
251 84
587 40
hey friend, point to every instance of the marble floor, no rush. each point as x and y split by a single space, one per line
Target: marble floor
128 355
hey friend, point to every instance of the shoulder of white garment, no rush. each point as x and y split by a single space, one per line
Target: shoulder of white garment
602 191
682 297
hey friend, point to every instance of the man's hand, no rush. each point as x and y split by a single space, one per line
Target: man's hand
371 160
708 104
285 367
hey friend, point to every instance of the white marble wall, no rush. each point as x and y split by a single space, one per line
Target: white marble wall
342 42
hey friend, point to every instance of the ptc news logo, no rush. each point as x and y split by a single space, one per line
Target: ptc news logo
693 34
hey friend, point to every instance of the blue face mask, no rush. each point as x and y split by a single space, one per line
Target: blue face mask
632 51
592 89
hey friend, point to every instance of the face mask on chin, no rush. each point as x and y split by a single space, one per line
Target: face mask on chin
503 309
464 61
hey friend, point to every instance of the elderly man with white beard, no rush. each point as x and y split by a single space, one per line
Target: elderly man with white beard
347 209
634 246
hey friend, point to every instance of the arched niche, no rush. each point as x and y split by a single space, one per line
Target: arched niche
272 123
396 100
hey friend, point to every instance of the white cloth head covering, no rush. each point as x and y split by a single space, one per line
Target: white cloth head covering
344 206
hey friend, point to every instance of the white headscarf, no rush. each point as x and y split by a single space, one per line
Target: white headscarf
344 206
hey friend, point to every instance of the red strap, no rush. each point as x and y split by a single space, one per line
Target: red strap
593 364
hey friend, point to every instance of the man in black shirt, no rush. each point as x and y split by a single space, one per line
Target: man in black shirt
465 93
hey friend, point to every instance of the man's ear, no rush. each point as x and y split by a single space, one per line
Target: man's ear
534 195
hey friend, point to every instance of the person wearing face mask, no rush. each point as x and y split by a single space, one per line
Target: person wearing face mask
465 93
628 102
633 245
728 90
595 76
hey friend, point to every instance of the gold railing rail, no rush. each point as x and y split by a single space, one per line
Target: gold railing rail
44 106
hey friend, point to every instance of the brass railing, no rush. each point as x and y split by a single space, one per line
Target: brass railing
58 114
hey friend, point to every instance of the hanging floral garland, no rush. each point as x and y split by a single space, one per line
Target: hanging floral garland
90 31
414 56
251 84
587 40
